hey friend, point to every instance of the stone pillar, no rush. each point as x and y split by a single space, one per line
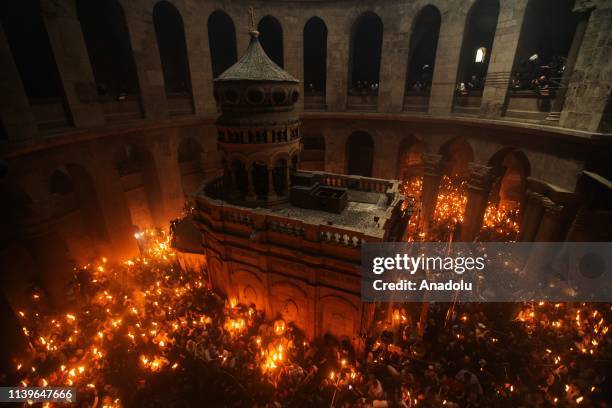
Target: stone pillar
51 254
532 214
432 173
338 49
271 192
503 53
570 64
15 113
73 64
551 225
114 209
393 62
147 61
480 181
447 60
293 52
198 51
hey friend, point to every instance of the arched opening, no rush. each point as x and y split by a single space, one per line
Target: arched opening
360 154
478 35
457 154
190 163
409 162
110 53
364 68
514 168
77 214
539 64
141 187
240 178
315 63
259 174
501 220
26 34
313 152
279 177
170 33
221 41
22 260
271 39
421 59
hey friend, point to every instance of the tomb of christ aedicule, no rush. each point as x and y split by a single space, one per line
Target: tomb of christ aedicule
184 206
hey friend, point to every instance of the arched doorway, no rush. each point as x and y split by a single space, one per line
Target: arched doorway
421 59
456 155
315 63
360 154
27 37
513 167
221 41
110 53
409 162
541 57
141 187
190 163
170 33
77 214
476 51
364 68
271 39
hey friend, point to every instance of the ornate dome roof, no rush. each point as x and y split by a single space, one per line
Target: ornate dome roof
255 65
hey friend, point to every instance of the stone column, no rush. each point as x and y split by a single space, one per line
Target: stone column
198 51
338 49
271 192
147 61
532 214
73 64
51 254
503 53
114 209
480 181
293 50
15 113
447 60
570 64
395 46
551 225
432 173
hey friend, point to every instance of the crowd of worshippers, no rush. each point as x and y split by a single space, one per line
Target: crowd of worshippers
536 74
364 87
148 330
475 83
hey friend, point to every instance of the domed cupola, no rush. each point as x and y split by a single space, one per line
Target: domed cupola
258 130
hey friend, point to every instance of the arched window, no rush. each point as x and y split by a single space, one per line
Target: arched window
271 39
366 49
170 34
544 43
360 154
221 41
109 47
422 52
315 56
478 38
24 28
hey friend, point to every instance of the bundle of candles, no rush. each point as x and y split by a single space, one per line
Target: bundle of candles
500 222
